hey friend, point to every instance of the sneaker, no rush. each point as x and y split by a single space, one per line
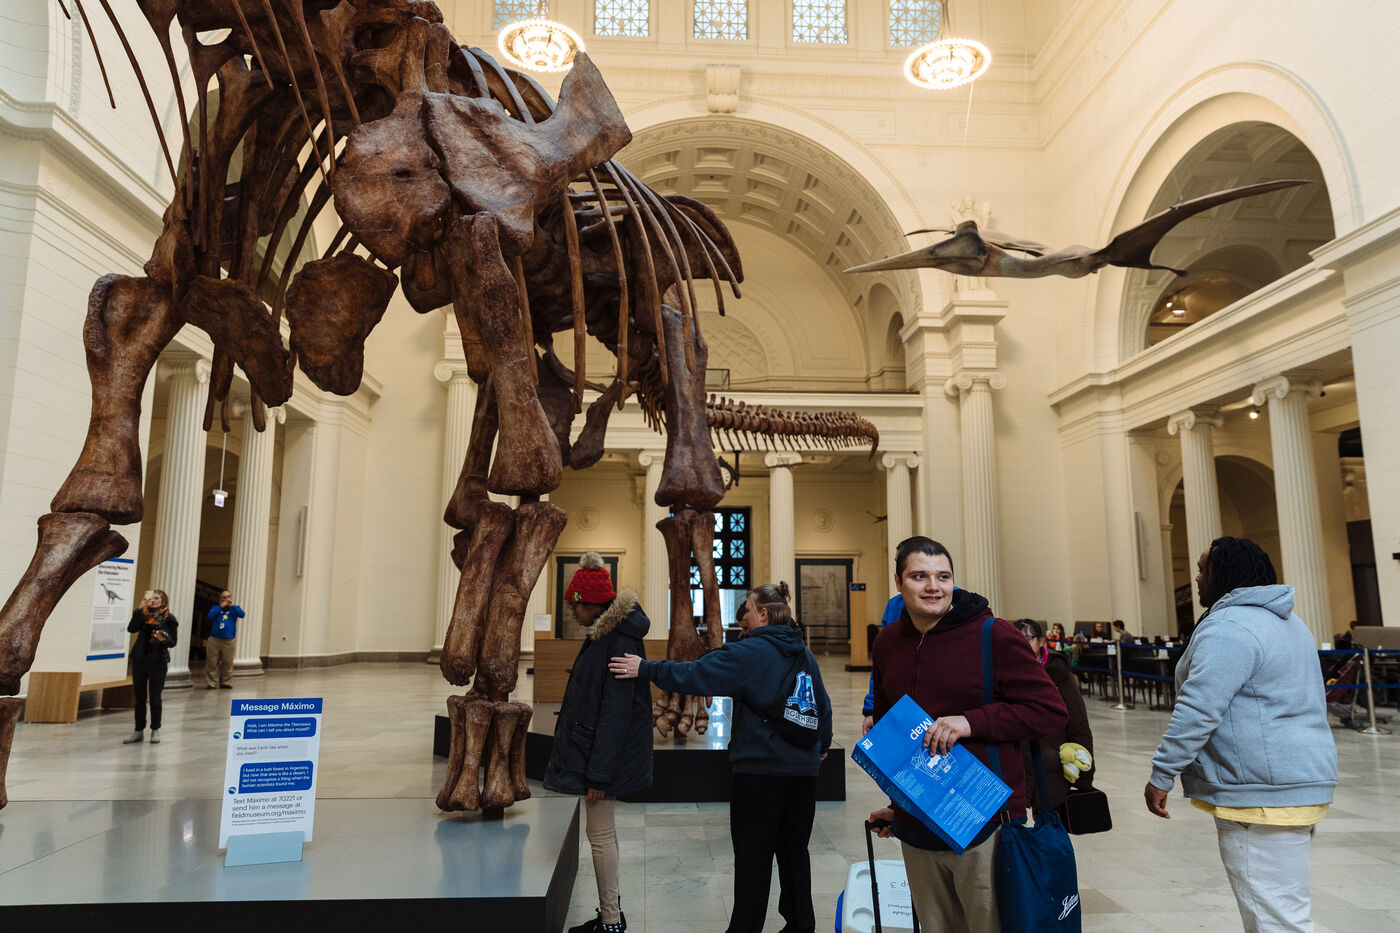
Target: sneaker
596 925
155 736
226 686
210 687
133 738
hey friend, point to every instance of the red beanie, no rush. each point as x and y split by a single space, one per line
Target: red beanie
591 583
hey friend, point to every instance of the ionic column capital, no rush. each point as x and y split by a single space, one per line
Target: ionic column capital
781 458
185 367
964 381
890 460
1188 419
243 406
648 457
1282 385
452 372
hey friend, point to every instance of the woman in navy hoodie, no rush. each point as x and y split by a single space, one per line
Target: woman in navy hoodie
774 795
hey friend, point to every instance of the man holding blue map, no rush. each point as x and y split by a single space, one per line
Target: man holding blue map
933 653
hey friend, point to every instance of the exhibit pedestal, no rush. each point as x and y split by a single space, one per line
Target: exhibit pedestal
692 770
381 863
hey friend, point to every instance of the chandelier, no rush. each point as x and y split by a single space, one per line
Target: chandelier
540 44
947 63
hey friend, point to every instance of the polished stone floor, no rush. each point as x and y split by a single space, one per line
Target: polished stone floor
1145 875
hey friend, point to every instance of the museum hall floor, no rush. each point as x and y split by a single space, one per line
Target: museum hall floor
1147 874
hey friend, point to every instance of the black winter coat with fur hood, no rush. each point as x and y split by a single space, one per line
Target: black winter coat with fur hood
603 737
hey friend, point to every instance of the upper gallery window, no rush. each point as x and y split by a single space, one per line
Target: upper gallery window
513 11
913 22
821 21
721 19
622 17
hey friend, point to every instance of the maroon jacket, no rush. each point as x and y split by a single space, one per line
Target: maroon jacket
942 672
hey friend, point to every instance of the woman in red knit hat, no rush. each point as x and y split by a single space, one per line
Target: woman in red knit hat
602 741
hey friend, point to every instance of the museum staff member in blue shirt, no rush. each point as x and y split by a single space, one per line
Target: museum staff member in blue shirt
218 647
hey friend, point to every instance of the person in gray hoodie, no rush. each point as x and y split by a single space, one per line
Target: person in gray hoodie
1249 736
774 795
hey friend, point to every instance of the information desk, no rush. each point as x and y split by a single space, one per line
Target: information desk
690 770
374 864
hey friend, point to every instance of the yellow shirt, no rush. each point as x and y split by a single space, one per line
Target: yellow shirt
1269 816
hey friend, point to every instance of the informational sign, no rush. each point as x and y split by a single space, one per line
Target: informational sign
112 590
270 772
952 794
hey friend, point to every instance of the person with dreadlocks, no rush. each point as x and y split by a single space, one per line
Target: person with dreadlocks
1249 735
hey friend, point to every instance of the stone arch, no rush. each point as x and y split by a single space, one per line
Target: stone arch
826 152
1235 93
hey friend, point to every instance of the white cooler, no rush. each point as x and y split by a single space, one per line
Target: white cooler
896 907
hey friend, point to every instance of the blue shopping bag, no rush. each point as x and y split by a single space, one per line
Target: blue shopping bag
1036 877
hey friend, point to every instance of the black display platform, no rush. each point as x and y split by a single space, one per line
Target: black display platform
693 770
374 864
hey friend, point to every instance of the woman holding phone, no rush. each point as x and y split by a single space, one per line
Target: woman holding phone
155 629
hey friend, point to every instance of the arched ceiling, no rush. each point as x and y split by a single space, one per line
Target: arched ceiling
1282 226
756 174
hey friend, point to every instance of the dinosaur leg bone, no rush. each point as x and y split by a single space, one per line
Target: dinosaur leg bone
129 322
70 544
9 713
463 641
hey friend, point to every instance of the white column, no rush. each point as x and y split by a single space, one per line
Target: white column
456 435
656 573
899 510
1169 574
980 561
320 582
1295 490
1195 427
782 542
176 557
252 513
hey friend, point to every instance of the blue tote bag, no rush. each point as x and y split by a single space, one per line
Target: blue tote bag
1036 878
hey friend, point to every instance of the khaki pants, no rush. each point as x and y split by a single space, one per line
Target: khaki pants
954 892
602 837
218 660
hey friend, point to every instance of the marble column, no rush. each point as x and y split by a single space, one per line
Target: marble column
1195 427
456 435
319 577
656 573
899 510
782 543
1295 489
175 560
252 514
979 566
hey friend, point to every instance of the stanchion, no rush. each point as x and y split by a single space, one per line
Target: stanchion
1118 654
1373 729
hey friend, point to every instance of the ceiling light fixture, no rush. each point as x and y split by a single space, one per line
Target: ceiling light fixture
948 62
539 43
1254 414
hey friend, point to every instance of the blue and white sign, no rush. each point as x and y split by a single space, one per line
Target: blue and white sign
270 772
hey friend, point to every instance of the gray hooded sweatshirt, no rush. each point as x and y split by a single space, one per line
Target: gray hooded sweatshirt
1250 724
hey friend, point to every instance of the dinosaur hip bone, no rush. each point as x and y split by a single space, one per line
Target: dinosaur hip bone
9 713
332 306
527 460
537 528
498 791
129 322
462 644
235 319
70 544
470 719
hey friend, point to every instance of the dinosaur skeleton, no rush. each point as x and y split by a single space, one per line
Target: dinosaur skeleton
482 193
